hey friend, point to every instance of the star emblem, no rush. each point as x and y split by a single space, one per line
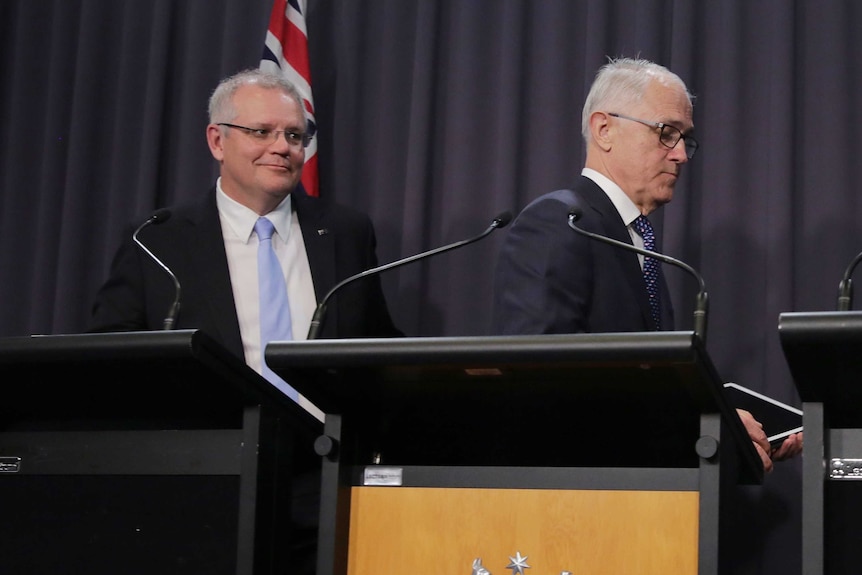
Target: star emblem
518 564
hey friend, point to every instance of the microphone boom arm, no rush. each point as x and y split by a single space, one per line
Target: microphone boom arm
702 302
159 217
317 319
845 288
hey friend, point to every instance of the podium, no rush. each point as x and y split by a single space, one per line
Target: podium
824 354
144 452
587 453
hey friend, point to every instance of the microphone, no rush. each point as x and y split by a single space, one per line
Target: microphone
159 217
501 221
702 304
845 288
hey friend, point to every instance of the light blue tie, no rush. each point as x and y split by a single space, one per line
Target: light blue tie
274 308
644 229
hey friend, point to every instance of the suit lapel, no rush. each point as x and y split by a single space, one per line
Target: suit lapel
615 228
318 234
209 260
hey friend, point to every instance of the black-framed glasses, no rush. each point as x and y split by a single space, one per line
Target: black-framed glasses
667 135
267 136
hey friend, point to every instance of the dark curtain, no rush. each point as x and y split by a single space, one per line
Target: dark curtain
434 117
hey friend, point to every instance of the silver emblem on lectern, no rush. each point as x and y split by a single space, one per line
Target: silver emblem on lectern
477 567
10 464
845 468
517 564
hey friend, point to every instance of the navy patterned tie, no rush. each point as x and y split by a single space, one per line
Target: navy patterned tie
650 271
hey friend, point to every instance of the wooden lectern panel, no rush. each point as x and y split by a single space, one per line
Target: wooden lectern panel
442 530
473 429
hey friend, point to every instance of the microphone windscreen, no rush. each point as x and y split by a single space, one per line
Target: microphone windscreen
503 219
575 213
161 215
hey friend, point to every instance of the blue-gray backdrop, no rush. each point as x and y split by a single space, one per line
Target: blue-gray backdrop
434 117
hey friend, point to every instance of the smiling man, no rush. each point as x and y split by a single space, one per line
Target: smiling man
257 133
637 125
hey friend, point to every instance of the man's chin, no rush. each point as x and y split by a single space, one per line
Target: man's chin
664 196
281 186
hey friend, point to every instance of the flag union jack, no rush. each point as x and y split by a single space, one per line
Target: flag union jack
285 52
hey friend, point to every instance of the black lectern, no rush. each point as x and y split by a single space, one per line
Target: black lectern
144 452
824 353
585 453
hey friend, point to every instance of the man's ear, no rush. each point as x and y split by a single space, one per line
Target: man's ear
215 140
600 128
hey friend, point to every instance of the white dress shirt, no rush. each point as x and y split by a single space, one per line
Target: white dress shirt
237 224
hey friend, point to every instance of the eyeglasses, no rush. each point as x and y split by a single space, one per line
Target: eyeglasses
266 136
668 135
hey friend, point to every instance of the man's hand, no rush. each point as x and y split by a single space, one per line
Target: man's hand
790 447
758 437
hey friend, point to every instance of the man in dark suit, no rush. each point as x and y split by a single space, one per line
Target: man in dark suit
258 134
637 125
553 280
338 243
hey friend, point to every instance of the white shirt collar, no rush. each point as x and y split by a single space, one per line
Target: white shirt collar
241 219
625 206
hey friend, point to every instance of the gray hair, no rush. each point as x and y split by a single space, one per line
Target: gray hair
221 108
622 83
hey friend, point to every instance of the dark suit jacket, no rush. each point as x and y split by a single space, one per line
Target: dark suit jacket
550 279
339 242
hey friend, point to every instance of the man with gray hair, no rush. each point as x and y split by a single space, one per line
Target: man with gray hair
257 133
637 125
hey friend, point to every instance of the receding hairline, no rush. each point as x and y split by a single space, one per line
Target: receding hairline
624 81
